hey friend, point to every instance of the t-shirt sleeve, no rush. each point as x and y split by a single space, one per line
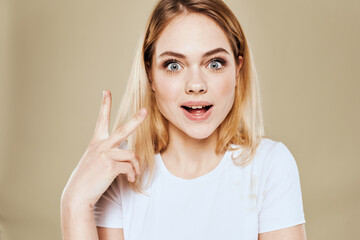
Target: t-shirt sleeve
281 205
108 210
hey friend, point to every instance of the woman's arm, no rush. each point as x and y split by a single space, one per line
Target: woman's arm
77 222
291 233
110 233
100 164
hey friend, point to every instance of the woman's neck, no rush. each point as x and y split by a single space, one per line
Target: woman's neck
189 157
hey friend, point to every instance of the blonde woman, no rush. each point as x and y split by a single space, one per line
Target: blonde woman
193 162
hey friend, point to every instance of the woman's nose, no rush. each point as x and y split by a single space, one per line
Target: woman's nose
195 83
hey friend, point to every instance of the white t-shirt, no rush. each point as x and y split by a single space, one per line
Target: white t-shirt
230 202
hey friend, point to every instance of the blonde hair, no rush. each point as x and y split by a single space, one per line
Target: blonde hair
243 126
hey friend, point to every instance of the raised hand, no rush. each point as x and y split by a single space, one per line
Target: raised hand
103 160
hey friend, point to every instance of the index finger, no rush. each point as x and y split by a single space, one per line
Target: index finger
123 132
102 125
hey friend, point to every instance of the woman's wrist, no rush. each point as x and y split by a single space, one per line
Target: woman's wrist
73 203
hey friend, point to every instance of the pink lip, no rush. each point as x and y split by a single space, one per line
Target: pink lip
197 117
196 103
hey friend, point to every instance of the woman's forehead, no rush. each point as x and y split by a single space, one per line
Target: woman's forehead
191 34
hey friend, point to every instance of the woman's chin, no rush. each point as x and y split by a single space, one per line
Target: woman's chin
198 134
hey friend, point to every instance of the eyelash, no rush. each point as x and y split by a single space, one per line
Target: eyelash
167 62
215 59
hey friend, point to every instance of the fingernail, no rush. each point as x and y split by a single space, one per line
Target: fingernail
104 93
142 112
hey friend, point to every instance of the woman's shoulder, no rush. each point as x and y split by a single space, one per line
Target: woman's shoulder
270 146
265 145
270 152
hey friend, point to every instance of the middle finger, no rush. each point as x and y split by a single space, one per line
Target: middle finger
124 131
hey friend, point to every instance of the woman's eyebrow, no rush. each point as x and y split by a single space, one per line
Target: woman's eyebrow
207 54
216 50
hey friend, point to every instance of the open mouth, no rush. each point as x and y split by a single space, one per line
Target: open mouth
197 110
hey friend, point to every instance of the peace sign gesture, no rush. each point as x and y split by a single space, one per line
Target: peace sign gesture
103 160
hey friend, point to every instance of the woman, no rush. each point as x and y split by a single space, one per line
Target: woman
196 161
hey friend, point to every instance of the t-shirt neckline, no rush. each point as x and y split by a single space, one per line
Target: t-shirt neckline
202 178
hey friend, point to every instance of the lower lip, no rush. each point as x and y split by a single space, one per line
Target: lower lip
197 117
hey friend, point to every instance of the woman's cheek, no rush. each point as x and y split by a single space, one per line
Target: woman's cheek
166 92
225 85
167 87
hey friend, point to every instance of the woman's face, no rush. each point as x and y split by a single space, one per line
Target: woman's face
194 75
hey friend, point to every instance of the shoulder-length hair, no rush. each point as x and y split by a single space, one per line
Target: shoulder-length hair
243 126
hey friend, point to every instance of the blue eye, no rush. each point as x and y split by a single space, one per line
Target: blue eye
215 65
173 67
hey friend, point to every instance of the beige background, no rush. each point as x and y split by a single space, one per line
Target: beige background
56 57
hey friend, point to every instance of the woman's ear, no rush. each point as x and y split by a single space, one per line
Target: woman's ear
152 86
238 67
151 81
148 73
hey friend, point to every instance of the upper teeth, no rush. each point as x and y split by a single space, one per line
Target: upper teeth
196 107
